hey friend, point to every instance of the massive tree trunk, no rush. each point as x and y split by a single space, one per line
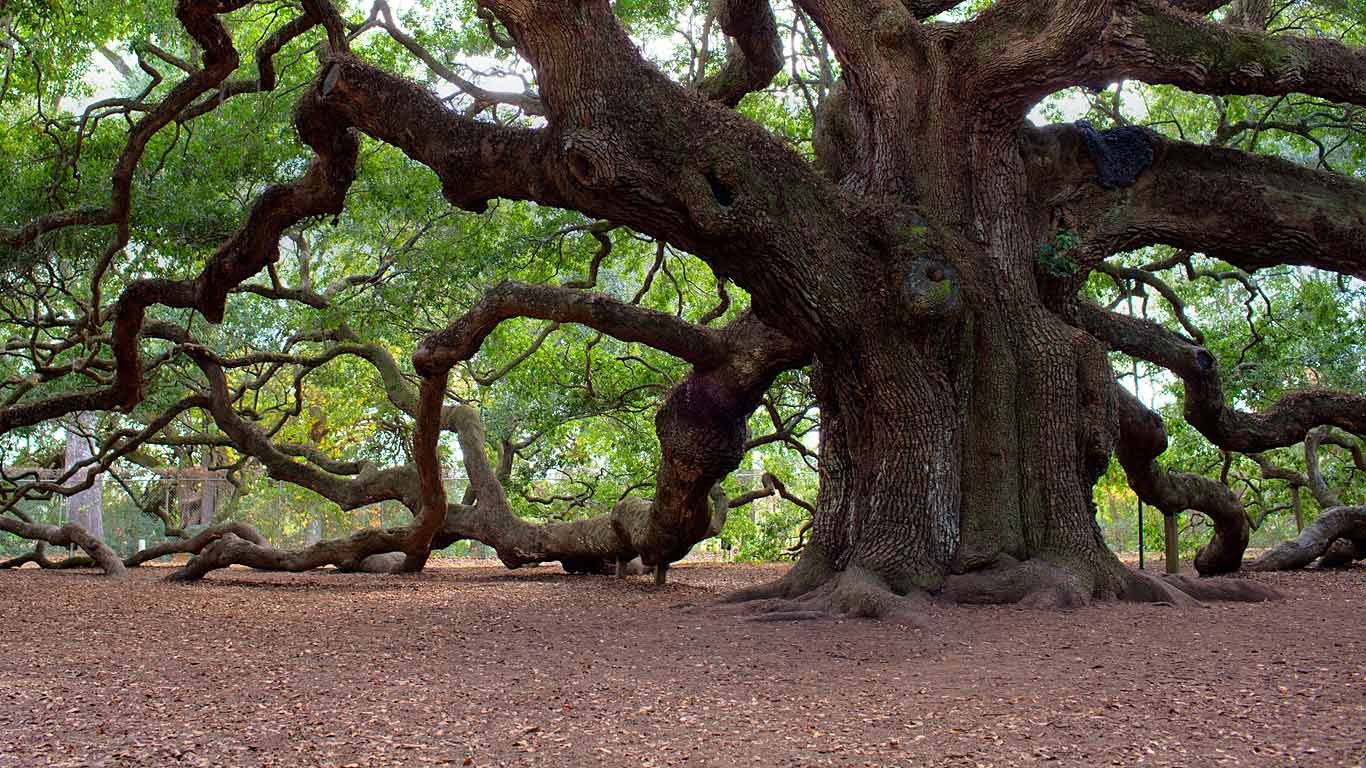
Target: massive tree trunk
933 467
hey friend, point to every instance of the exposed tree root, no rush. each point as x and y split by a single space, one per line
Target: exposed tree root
1037 583
1316 540
1185 591
804 594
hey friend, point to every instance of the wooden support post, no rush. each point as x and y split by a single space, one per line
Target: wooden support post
1171 524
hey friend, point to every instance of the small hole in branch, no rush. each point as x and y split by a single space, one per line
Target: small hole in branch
719 190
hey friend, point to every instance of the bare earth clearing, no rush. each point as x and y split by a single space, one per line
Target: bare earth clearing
481 666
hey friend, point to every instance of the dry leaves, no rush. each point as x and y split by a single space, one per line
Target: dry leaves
484 667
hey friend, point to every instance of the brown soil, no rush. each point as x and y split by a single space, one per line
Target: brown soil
480 666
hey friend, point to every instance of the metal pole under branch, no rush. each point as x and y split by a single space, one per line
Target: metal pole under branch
1140 534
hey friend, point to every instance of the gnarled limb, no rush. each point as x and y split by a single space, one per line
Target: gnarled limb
754 55
627 144
1142 439
1151 41
321 190
369 485
1312 478
196 543
346 554
1333 524
476 161
64 536
1018 51
701 425
459 341
1286 422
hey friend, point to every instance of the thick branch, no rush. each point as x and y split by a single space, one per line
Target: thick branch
701 425
368 486
755 54
1286 422
476 161
1250 210
1313 541
346 554
1152 42
196 543
67 535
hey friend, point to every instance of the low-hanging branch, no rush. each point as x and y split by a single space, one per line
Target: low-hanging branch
1142 438
752 355
1285 422
701 425
1332 525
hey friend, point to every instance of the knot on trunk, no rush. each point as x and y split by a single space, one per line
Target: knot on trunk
929 291
591 158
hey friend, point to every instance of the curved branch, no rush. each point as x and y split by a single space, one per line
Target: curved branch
321 190
195 543
1142 439
1286 422
626 322
755 53
67 535
382 16
1313 541
476 161
701 426
368 486
346 554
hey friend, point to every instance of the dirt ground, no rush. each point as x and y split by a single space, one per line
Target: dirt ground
483 667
